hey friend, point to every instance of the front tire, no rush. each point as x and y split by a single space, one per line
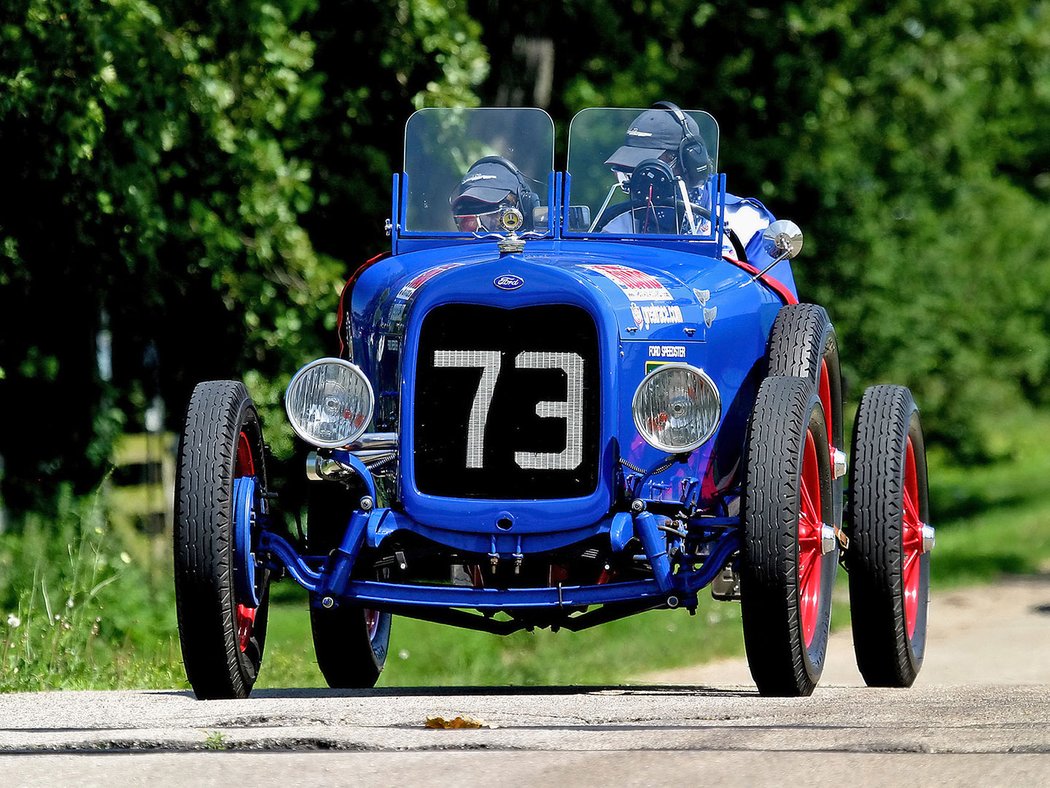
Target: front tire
889 570
785 591
222 626
350 642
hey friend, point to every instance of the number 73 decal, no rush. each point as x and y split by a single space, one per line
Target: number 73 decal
570 409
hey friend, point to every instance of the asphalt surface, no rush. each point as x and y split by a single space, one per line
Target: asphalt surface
979 715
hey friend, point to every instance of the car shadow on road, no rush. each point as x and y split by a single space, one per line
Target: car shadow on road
691 690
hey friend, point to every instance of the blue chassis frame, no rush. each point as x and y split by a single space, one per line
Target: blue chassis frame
331 584
328 578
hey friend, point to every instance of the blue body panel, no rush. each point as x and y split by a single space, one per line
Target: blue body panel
711 316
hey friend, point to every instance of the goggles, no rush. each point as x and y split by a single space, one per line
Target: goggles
484 222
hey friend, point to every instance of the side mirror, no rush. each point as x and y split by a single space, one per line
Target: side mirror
579 218
783 238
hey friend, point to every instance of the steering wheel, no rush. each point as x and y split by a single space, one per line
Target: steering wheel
624 207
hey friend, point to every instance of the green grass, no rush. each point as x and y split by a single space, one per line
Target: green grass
427 654
77 612
994 520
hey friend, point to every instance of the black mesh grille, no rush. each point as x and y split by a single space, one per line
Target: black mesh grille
506 403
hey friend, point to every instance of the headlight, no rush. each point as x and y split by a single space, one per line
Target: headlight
676 408
329 403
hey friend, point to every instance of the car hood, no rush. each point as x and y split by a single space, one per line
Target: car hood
654 294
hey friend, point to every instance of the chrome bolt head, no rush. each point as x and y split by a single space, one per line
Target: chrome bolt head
839 463
828 539
929 538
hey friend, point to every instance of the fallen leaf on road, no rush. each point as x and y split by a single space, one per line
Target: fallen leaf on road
457 723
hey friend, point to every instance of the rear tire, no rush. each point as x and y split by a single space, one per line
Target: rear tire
785 590
222 635
350 642
889 573
803 344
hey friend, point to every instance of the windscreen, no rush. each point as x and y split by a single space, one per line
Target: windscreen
643 172
466 167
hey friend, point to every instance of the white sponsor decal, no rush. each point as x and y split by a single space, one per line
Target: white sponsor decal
473 178
661 314
667 351
637 286
422 278
633 132
636 313
404 295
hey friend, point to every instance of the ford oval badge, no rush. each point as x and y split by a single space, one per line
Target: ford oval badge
508 282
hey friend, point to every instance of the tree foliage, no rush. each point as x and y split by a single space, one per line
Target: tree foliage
191 182
158 195
161 164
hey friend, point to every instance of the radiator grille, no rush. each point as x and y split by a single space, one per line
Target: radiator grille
506 403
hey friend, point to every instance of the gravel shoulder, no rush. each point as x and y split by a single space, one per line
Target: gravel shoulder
995 634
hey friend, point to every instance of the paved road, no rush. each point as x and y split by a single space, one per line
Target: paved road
979 715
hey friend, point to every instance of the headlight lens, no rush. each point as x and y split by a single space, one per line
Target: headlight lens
329 402
676 408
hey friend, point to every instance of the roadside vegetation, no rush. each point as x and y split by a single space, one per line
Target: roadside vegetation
77 612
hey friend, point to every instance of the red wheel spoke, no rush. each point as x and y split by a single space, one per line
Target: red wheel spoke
371 622
245 625
910 559
911 509
810 511
810 521
806 563
911 540
809 486
912 537
809 592
911 576
245 462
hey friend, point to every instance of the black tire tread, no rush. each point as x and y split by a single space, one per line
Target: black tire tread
801 337
884 655
776 655
344 653
203 549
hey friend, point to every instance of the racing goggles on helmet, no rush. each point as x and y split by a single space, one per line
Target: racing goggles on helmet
474 216
478 222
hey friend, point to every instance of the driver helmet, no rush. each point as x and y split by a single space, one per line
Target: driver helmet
491 187
659 134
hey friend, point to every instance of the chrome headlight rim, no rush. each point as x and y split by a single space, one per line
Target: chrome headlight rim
294 421
707 381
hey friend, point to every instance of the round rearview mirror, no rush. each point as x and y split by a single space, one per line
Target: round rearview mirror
783 238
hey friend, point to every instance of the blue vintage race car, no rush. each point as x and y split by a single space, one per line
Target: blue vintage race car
561 399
